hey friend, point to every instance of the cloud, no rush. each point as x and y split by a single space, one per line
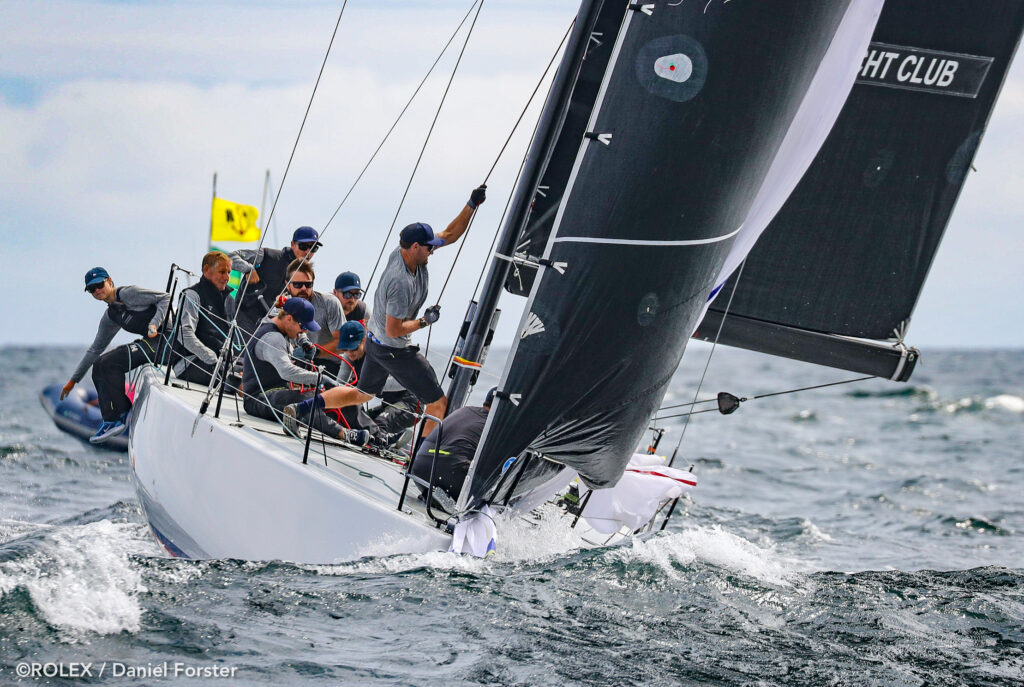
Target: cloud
112 165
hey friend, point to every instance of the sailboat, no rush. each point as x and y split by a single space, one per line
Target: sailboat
718 169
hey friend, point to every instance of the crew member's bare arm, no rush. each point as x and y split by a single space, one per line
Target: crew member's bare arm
457 227
395 327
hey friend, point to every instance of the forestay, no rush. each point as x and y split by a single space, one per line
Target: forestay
692 111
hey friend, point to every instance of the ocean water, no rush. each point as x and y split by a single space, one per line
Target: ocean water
870 533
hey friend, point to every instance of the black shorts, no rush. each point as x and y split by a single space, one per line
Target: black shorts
406 365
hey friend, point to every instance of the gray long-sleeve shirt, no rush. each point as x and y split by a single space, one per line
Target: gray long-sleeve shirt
134 298
244 260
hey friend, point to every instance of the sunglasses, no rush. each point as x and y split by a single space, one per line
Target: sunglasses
352 294
302 284
93 288
306 245
430 249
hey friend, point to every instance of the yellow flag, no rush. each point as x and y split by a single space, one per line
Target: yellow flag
233 222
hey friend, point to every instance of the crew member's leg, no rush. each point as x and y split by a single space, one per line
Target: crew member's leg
411 370
195 371
396 412
108 375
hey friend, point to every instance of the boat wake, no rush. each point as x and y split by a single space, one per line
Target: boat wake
677 553
79 579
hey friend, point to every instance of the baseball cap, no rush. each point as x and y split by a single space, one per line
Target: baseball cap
350 336
95 276
422 234
302 311
490 395
347 281
306 235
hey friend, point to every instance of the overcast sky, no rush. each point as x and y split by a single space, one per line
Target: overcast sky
114 116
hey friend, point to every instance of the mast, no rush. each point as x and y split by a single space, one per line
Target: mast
540 153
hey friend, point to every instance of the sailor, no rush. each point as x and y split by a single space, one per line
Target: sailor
460 434
269 369
327 311
348 289
203 322
396 411
350 346
136 310
400 294
265 270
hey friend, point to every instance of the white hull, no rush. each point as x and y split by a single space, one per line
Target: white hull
233 489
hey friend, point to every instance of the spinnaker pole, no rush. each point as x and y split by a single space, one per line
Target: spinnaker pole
551 120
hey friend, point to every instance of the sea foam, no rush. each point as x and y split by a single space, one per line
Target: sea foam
712 545
81 579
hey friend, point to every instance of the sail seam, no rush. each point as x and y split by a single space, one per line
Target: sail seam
645 242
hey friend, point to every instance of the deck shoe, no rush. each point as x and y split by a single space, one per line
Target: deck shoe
359 437
291 422
108 430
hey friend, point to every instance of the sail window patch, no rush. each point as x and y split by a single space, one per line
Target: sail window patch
677 67
647 311
672 67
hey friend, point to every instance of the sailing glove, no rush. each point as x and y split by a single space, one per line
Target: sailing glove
432 314
478 196
305 347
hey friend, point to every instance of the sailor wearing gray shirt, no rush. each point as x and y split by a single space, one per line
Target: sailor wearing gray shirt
401 293
270 372
136 310
327 310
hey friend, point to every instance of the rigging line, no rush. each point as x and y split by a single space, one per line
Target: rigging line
298 137
754 398
511 133
714 345
384 140
425 142
277 196
693 403
401 114
508 200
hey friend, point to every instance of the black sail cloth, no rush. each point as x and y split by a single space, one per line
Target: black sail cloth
849 252
661 183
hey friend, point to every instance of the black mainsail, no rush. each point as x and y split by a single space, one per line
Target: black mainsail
681 137
835 276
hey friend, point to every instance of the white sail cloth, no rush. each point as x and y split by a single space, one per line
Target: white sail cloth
476 534
819 110
645 485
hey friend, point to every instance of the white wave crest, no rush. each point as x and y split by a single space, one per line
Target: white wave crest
1007 402
813 532
711 545
81 578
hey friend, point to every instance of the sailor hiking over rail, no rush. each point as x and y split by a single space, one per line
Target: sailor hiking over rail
136 310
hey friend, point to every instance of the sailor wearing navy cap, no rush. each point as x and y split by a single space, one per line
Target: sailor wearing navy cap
401 293
136 310
348 289
265 269
269 370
